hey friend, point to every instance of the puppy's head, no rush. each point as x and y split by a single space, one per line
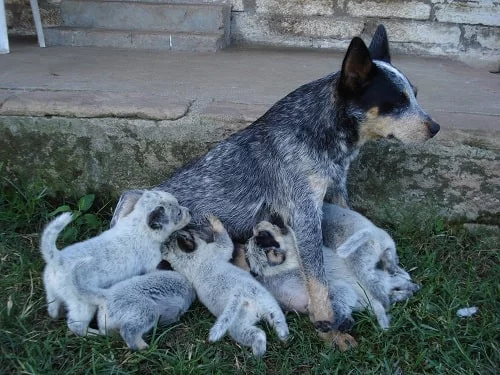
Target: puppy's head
379 96
272 248
159 210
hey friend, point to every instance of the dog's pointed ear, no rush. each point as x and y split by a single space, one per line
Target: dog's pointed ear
379 46
125 205
357 68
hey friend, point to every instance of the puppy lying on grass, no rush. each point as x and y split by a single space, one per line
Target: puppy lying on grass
130 248
360 261
135 305
229 292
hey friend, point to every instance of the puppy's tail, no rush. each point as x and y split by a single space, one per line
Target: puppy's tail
353 243
50 234
226 319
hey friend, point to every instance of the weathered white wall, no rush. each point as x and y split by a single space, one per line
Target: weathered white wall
468 30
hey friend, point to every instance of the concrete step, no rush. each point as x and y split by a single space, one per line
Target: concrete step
147 40
142 15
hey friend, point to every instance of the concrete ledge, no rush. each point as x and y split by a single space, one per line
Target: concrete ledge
91 104
457 175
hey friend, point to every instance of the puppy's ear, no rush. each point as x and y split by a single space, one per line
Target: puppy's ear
125 205
277 219
379 46
353 243
157 218
265 239
357 68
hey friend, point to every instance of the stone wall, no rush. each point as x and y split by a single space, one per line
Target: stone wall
468 30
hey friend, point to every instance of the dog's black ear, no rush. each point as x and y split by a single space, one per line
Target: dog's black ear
157 218
265 239
125 205
277 219
357 68
379 46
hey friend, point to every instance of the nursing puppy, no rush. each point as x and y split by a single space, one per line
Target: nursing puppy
302 147
229 292
366 256
362 271
135 305
132 247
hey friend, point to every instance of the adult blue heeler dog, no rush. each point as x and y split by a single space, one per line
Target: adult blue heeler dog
284 162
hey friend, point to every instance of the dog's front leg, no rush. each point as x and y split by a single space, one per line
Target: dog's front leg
336 193
307 227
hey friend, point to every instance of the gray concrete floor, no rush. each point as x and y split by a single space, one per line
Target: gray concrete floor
457 96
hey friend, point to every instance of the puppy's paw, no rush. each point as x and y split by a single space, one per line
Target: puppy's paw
283 332
343 341
346 324
259 345
215 223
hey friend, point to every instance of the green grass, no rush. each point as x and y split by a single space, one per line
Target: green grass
454 268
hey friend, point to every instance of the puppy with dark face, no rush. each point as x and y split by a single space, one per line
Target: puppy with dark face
360 261
131 247
231 294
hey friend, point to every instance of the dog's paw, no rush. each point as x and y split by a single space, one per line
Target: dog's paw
343 341
323 326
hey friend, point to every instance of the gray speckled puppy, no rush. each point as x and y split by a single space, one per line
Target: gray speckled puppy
231 294
135 305
131 247
360 261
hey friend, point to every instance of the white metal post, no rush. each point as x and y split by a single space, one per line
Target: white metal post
4 39
38 22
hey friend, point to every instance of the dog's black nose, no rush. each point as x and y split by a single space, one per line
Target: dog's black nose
433 128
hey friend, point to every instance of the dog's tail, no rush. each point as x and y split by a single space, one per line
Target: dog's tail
226 319
353 243
49 236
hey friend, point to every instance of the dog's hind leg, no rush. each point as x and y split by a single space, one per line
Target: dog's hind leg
132 332
249 335
54 303
275 317
79 316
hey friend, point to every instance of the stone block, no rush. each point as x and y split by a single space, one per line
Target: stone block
206 18
484 12
294 31
482 37
389 9
406 31
296 7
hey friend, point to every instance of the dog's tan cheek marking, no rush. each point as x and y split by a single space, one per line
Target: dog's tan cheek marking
407 129
320 308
